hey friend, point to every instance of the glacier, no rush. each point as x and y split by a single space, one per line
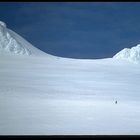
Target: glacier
129 54
13 44
41 94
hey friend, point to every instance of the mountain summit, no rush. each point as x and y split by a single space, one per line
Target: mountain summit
129 54
13 44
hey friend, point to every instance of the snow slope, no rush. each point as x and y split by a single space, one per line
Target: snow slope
129 54
53 95
13 44
67 96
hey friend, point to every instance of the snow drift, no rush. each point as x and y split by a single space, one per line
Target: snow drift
11 43
129 54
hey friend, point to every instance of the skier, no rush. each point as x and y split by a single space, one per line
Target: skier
116 102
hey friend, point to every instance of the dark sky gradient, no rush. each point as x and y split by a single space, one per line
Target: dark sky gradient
77 30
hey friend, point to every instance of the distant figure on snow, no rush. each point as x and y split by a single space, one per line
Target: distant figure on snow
115 102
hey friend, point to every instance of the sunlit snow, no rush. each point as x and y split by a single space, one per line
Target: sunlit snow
49 95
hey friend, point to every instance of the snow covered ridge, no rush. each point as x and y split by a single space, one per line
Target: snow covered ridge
129 54
12 43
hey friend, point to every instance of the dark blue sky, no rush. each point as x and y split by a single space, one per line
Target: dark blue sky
78 30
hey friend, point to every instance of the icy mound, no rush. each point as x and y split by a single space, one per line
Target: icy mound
12 43
129 54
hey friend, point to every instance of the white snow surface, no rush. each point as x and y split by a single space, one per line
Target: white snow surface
50 95
13 44
129 54
59 96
